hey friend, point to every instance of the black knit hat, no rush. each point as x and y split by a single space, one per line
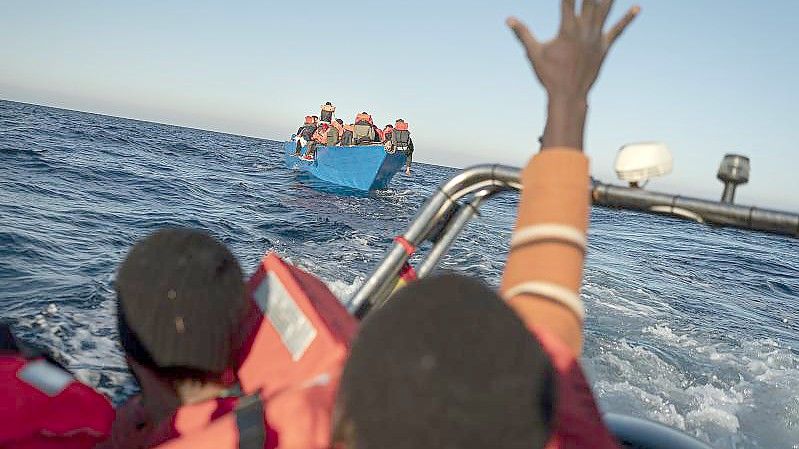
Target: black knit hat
180 301
446 364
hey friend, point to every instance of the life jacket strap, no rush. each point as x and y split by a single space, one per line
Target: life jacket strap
250 422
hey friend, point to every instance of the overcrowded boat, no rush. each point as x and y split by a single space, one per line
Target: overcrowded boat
362 167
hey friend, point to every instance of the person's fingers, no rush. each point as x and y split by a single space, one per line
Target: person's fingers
621 25
601 13
587 11
524 35
566 13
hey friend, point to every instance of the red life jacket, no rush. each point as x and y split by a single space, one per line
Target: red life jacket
43 406
290 368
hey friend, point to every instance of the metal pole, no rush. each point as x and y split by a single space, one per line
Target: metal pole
466 182
453 230
725 214
486 180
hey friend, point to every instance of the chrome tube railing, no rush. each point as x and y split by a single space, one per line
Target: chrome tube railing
714 212
478 184
381 282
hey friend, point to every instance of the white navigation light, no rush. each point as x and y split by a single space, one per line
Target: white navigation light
638 162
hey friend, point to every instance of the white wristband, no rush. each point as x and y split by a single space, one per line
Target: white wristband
549 231
551 291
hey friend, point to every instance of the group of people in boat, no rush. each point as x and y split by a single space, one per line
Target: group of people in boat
326 130
447 363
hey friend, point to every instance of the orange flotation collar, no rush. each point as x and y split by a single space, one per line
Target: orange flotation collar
401 126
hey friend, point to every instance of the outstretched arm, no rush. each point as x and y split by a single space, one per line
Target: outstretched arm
544 270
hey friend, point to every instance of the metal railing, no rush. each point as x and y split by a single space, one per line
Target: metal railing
444 216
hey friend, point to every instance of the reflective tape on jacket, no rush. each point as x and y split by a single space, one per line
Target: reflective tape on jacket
299 341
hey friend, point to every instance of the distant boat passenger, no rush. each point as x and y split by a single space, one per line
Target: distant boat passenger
401 141
305 133
387 133
339 125
332 135
347 138
322 136
364 131
327 113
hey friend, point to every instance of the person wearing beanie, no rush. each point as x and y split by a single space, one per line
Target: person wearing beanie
180 307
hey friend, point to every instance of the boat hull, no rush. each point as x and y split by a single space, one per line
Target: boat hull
362 167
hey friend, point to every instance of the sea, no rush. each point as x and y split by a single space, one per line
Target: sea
696 327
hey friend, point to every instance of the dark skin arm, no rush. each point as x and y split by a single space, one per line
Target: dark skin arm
567 66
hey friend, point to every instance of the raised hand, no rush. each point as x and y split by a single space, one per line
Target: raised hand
569 64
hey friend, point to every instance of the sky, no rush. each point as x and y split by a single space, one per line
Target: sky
706 77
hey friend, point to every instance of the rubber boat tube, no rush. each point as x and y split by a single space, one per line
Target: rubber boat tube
636 433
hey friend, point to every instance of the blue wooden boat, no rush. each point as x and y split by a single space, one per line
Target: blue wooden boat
362 167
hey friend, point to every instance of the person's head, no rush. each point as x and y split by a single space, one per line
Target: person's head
388 128
444 364
308 120
399 120
180 304
315 118
340 122
328 103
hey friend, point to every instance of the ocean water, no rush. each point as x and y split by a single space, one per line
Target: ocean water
692 326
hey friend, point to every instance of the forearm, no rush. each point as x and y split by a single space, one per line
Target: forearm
555 191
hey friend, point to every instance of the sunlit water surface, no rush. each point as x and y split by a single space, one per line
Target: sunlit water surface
692 326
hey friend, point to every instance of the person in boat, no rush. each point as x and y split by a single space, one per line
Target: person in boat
41 403
445 363
379 136
387 132
339 125
305 134
198 345
347 136
327 113
401 141
364 131
180 311
325 135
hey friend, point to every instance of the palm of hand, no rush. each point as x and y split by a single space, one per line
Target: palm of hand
568 65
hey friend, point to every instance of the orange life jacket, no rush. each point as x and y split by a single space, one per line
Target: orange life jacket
42 406
290 367
320 135
401 126
363 117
